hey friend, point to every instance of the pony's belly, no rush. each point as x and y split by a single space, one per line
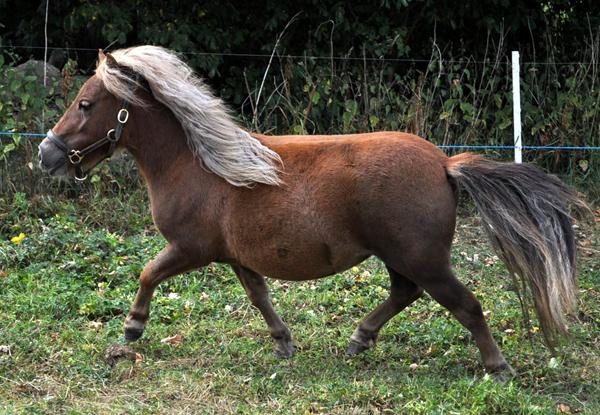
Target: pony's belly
288 264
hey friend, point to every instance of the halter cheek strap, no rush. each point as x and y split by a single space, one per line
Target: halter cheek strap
76 156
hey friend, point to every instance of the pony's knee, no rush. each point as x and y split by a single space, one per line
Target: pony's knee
147 277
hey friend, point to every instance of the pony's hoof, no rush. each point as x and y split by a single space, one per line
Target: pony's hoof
284 349
503 373
355 348
132 334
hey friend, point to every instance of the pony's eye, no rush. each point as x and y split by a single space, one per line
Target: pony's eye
85 105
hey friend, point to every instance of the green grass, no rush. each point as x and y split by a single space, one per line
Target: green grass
65 290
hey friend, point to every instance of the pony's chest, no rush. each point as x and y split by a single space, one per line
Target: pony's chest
178 217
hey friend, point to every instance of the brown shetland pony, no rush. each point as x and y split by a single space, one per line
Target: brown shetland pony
300 208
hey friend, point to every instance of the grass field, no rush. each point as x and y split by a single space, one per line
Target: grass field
66 285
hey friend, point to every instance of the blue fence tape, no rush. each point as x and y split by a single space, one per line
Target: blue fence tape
25 134
449 146
525 147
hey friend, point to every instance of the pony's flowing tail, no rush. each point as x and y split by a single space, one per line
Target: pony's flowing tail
526 215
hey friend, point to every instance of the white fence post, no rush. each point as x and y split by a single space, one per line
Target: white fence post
516 106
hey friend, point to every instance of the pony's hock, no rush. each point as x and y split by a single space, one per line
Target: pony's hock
319 204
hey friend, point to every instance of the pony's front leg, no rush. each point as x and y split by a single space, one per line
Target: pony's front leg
169 262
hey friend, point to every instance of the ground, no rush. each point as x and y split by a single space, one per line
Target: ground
66 284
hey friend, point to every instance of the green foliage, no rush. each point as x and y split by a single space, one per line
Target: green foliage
27 105
457 93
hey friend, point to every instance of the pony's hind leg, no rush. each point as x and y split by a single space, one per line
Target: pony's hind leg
258 293
169 262
402 293
443 286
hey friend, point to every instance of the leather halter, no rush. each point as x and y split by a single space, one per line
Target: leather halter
76 156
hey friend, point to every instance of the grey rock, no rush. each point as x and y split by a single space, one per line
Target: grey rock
35 67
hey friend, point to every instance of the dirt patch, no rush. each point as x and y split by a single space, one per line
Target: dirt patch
118 352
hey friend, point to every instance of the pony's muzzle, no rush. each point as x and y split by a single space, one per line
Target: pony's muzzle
51 158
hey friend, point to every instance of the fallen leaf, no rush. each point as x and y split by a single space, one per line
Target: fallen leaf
96 325
102 288
413 366
173 340
3 274
490 261
5 350
487 314
273 376
563 408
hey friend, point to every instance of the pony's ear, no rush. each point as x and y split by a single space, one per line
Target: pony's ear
111 61
101 55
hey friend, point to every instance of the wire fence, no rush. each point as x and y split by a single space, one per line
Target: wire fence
317 57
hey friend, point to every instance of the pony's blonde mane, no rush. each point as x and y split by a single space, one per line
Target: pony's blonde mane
212 134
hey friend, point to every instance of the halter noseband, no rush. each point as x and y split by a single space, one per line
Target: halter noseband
112 137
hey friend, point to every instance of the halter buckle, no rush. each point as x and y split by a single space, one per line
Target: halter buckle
112 136
123 115
75 157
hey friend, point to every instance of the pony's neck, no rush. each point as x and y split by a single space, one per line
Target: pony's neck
158 144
